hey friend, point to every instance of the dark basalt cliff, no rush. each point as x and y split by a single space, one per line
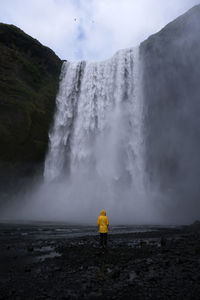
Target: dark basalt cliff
171 86
29 77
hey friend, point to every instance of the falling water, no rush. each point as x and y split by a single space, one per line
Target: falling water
95 149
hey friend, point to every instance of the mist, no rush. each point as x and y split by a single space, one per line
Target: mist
95 158
95 149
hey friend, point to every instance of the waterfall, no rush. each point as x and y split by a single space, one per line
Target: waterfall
95 146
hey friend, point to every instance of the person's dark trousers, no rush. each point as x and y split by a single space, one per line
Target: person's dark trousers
103 239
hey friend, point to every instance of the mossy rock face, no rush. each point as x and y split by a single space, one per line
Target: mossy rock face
29 78
171 86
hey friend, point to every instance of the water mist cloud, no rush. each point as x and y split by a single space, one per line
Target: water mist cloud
95 152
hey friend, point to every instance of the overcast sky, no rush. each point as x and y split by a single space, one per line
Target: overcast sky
91 29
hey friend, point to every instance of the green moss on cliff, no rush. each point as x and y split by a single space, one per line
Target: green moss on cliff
29 77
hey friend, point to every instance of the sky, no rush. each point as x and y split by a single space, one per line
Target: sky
91 29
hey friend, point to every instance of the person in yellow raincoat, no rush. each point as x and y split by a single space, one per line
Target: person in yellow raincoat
103 224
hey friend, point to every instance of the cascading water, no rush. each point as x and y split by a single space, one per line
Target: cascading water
95 151
98 119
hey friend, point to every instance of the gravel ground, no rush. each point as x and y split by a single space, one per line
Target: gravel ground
162 264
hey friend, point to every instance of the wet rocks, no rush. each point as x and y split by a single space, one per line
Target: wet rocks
84 271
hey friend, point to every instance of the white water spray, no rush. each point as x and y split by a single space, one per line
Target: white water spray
95 153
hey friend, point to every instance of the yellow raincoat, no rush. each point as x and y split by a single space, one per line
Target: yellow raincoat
103 222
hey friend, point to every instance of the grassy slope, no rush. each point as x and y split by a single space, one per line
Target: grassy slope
29 75
29 78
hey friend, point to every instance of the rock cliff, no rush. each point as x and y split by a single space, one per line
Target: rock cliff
171 86
29 77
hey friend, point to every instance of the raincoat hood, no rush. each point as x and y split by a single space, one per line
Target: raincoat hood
103 212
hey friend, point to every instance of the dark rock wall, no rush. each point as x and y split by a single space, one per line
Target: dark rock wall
29 77
171 85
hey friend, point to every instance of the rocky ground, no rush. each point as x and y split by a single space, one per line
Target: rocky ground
162 264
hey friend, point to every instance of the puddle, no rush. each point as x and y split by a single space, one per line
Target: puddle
44 249
46 252
144 242
52 254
